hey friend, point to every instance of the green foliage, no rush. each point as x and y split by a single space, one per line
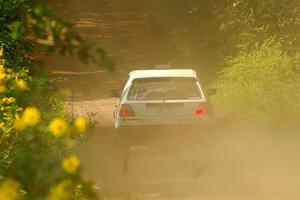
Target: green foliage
260 86
246 22
36 133
205 32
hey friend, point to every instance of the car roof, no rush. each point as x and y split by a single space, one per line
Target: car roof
163 73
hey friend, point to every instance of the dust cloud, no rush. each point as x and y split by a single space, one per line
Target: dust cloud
221 162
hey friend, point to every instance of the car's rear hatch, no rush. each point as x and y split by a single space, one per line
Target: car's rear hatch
163 100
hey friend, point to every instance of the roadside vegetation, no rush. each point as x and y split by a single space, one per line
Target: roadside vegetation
36 133
260 86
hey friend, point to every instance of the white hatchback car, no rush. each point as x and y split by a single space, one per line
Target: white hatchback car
156 98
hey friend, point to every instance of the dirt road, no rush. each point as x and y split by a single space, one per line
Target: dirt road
227 163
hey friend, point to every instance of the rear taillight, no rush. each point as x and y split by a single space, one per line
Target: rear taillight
200 111
126 111
204 109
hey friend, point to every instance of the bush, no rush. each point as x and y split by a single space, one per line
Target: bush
261 86
36 134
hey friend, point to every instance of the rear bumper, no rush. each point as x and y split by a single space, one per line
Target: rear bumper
143 125
163 121
160 127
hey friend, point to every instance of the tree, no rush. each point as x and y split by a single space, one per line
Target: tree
247 22
206 32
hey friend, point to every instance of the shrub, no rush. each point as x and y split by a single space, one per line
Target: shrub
261 86
36 134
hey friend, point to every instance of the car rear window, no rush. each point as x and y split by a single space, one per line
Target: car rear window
164 88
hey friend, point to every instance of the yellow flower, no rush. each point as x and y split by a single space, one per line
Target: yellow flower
21 84
60 191
11 100
1 52
2 124
71 164
2 89
8 100
31 116
2 75
80 124
9 190
19 125
58 127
